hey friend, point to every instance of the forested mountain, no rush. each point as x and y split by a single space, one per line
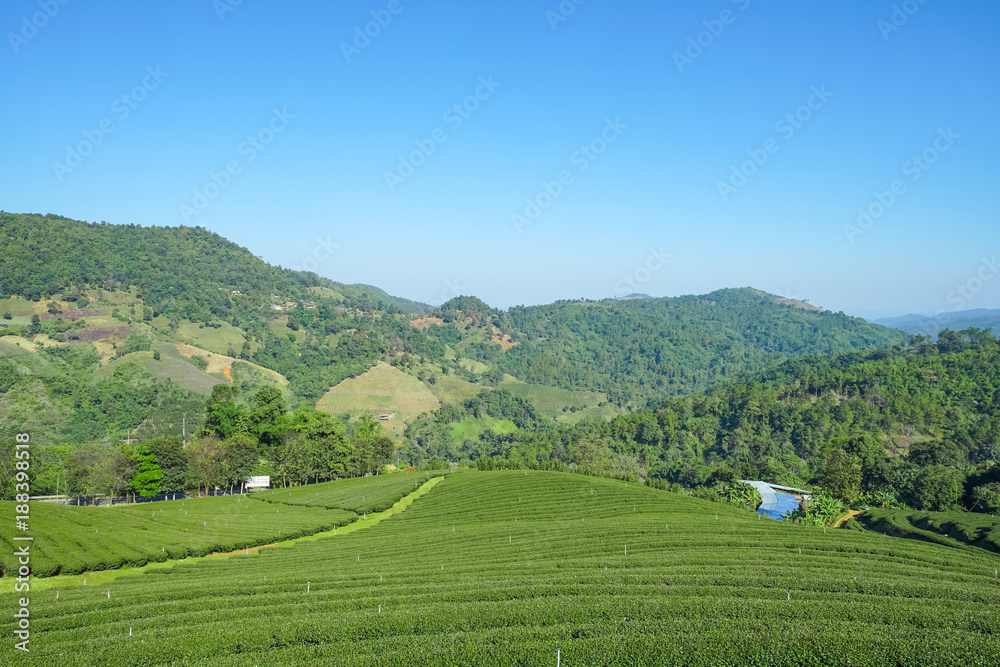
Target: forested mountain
920 422
641 350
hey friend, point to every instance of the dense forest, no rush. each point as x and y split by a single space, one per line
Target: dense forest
920 422
640 350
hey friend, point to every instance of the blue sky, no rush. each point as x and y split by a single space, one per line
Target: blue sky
596 149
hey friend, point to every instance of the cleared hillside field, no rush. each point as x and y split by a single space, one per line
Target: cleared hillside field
615 574
555 402
382 389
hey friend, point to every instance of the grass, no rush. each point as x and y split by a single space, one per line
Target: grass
380 390
589 564
450 389
218 363
216 341
470 428
552 401
171 365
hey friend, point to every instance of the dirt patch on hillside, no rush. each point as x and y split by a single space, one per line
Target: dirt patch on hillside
799 304
70 315
423 323
505 341
91 335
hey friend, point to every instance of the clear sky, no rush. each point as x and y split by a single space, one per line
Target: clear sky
531 150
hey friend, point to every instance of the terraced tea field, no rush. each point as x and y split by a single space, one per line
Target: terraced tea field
501 568
359 494
71 540
964 530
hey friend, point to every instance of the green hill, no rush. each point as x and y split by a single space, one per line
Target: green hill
636 351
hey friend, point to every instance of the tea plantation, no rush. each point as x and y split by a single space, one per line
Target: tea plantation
500 568
71 540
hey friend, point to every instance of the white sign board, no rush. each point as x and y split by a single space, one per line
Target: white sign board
261 482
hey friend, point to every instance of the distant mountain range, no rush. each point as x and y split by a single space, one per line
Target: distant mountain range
931 325
155 316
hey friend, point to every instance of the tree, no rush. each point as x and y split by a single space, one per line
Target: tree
173 461
206 460
267 415
240 457
938 487
328 438
987 497
224 417
842 477
53 308
371 448
148 476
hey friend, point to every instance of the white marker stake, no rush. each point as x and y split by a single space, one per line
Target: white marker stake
626 550
109 593
307 586
380 609
57 595
789 594
129 629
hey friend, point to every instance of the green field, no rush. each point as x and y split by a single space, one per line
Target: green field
615 574
556 402
967 530
217 341
470 429
170 366
383 389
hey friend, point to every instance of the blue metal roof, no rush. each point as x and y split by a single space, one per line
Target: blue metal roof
775 504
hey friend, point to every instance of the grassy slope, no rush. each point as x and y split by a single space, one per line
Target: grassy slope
552 400
382 389
439 585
